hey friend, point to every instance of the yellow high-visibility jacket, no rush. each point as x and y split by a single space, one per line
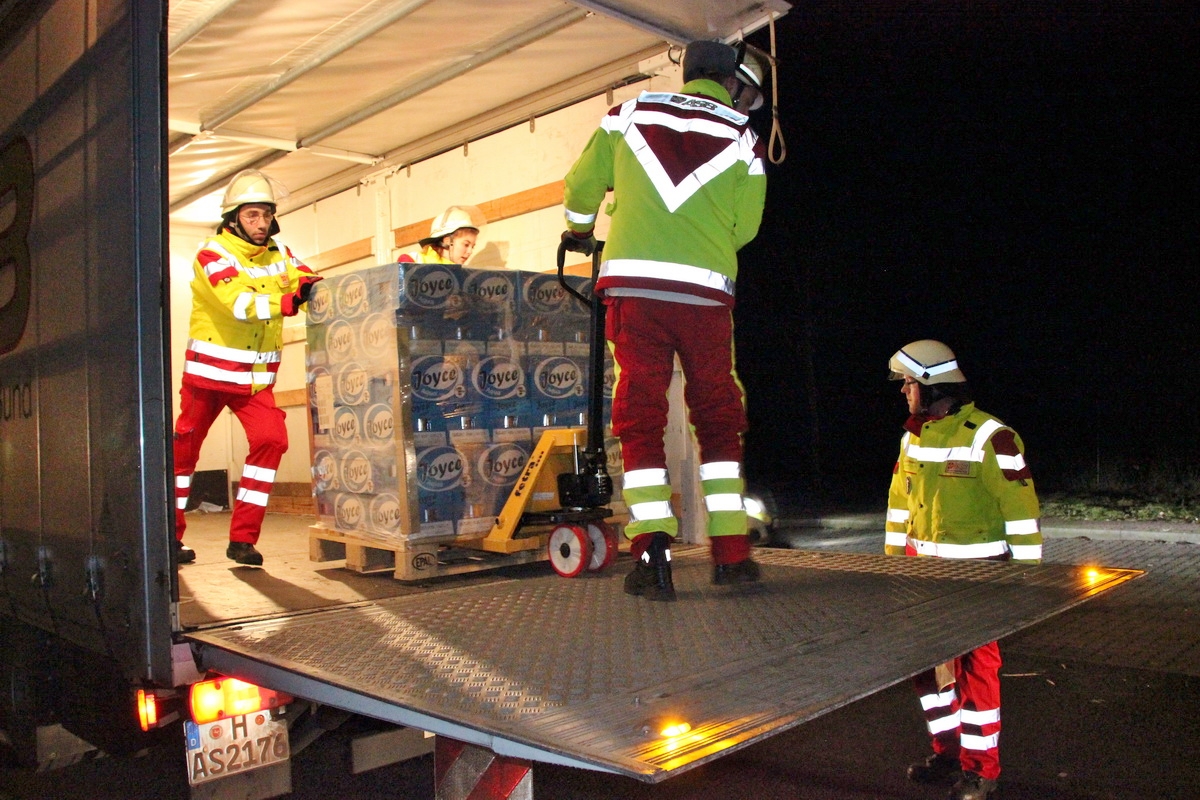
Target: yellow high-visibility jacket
961 489
240 294
428 255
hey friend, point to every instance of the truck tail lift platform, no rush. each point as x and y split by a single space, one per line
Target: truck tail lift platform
638 689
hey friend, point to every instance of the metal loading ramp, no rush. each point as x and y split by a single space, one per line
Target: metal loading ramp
575 672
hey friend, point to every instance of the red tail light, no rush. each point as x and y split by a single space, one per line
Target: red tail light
229 697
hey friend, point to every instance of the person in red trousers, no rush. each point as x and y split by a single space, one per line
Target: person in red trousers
686 172
960 489
245 281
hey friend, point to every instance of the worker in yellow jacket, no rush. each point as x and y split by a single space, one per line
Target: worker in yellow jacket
244 283
452 237
960 489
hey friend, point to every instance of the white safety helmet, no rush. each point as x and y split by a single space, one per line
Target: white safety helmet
927 361
453 219
750 72
248 186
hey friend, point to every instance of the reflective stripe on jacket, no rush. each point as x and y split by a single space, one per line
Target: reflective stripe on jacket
962 489
689 193
240 294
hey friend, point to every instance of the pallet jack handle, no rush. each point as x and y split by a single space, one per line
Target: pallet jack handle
594 453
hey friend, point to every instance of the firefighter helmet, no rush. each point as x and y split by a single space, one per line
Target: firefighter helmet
453 219
750 72
248 186
927 361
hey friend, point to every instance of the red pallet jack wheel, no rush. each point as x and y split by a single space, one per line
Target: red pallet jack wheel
604 545
570 550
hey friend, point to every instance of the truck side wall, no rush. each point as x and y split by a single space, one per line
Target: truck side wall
84 528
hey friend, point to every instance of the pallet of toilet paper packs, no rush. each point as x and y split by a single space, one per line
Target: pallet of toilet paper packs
428 385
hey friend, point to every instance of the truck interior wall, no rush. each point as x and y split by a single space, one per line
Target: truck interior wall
498 166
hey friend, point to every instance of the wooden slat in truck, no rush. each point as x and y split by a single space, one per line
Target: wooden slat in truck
119 124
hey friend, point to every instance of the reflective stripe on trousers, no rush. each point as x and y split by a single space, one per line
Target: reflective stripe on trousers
647 493
722 485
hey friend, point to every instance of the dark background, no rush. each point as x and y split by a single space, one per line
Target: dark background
1018 180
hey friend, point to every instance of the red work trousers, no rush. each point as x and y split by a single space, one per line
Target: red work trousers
974 700
266 434
964 719
645 336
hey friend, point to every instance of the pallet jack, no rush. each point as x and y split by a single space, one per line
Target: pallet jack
579 537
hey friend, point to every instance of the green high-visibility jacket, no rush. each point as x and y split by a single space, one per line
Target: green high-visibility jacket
688 184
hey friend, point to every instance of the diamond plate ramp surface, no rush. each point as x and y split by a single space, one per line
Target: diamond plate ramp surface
578 672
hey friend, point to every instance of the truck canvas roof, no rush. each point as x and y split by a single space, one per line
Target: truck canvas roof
329 93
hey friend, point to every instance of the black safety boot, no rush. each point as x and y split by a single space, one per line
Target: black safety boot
183 553
938 768
244 553
651 576
742 572
972 786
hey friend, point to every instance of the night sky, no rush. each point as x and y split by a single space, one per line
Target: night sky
1018 180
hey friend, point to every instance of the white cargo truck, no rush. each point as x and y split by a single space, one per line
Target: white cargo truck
120 125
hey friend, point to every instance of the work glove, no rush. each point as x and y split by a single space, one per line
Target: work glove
576 242
290 304
306 289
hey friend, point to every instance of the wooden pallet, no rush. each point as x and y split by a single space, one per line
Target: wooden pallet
410 561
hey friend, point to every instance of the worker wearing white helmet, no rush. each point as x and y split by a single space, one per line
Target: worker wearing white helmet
452 237
750 73
250 190
244 282
960 489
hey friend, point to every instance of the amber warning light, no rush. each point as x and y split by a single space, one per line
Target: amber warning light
676 729
229 697
157 708
147 706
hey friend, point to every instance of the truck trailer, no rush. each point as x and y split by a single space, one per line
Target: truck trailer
122 122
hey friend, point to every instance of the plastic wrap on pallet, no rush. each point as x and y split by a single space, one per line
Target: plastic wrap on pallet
429 385
354 374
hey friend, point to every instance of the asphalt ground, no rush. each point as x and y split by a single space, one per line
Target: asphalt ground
1100 702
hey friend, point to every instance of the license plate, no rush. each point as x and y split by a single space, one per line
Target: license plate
237 744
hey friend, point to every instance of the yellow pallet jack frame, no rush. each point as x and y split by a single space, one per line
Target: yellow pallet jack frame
567 468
